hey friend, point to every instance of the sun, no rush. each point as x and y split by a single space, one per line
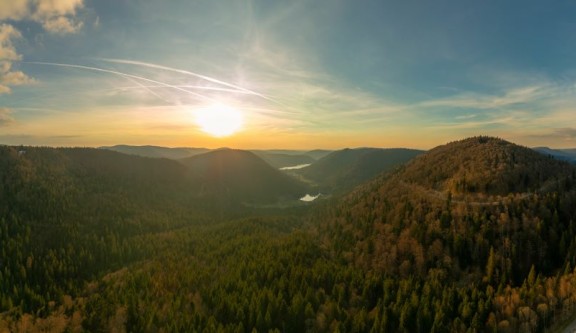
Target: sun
219 120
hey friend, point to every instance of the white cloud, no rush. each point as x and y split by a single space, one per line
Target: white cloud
14 9
16 78
52 8
55 16
62 25
8 54
7 50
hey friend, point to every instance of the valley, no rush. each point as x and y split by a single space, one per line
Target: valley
474 235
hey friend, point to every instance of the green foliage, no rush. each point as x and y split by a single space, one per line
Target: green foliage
99 241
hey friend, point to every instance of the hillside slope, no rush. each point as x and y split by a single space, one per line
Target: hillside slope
241 175
82 175
68 214
281 160
157 151
341 170
484 165
477 216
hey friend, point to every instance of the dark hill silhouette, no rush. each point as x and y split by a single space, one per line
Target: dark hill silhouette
70 180
343 169
280 160
241 175
156 151
318 153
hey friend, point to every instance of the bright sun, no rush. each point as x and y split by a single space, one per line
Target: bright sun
219 120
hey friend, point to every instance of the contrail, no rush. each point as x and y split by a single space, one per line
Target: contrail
124 75
147 88
192 87
204 77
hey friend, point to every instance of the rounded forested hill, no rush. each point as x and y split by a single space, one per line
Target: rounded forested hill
485 165
241 175
410 222
482 215
32 177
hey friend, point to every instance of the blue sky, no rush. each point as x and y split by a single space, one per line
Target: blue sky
304 74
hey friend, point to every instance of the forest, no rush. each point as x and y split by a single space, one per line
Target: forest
477 235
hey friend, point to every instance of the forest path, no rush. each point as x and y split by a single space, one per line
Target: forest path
471 200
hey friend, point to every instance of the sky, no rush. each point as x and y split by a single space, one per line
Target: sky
303 74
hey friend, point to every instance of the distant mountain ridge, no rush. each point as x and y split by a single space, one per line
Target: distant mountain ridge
281 160
278 158
561 154
157 151
343 169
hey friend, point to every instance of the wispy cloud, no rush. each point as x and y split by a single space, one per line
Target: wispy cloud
62 25
181 71
130 76
5 117
7 50
561 137
565 133
510 97
55 16
530 114
499 121
8 55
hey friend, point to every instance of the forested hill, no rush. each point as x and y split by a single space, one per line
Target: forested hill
241 175
40 182
485 165
156 151
344 169
68 214
484 218
101 242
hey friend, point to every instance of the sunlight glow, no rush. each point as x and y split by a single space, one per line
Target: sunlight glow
219 120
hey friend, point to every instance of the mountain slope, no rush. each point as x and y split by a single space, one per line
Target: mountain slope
561 154
280 160
79 179
472 195
156 151
318 153
480 217
342 170
68 214
241 175
484 165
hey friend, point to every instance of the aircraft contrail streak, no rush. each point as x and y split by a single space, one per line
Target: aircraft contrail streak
147 88
124 75
204 77
193 87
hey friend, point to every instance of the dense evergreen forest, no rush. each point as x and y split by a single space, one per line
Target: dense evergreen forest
473 236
